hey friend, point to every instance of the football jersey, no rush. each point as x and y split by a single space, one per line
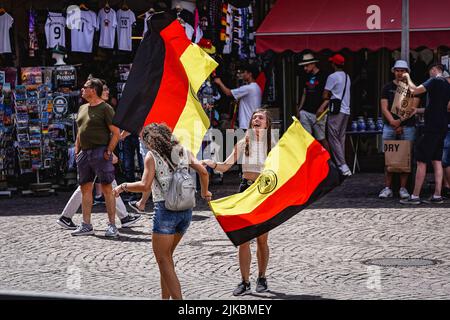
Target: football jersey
6 22
107 23
55 27
125 20
147 15
83 28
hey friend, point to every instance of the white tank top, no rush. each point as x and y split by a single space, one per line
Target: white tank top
254 162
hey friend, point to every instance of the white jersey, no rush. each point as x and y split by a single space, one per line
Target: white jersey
6 22
107 23
125 20
83 28
147 15
55 27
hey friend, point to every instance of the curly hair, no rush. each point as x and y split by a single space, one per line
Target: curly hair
158 137
269 131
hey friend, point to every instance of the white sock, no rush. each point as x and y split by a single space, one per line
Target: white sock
414 197
436 197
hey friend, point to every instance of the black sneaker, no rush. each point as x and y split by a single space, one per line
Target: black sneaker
411 201
242 289
434 200
99 200
133 205
66 223
261 285
129 220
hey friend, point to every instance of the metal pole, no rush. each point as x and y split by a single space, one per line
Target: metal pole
405 30
284 95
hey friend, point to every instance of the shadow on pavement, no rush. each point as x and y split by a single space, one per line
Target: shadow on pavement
282 296
359 191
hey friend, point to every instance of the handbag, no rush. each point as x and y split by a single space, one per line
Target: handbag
181 193
334 105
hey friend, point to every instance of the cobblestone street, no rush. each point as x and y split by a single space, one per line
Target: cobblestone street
318 254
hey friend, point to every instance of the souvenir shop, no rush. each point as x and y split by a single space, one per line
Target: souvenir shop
369 37
49 49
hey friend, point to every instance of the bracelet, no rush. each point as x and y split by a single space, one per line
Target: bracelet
215 165
123 186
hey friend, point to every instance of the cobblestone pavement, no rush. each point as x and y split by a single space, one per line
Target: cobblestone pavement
317 254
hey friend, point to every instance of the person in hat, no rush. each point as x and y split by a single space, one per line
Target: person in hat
429 146
59 53
394 128
311 99
337 87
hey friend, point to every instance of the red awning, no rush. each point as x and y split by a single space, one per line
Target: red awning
336 24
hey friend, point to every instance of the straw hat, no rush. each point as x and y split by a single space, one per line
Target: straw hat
307 59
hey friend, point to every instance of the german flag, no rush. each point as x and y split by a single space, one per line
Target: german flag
297 171
162 86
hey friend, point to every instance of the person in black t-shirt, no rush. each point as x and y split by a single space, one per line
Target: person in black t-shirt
394 129
446 155
311 99
430 145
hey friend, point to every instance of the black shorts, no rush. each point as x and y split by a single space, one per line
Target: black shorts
429 147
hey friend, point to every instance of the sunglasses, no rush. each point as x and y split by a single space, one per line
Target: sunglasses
87 87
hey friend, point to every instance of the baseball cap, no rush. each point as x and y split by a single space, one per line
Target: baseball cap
400 64
337 59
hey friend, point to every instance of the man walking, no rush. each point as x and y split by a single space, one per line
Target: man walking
96 140
430 145
311 99
337 87
394 128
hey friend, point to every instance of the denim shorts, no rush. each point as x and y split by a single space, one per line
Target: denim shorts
170 222
409 133
446 151
91 163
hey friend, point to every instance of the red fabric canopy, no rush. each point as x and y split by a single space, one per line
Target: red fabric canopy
336 24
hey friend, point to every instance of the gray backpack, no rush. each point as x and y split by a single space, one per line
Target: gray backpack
181 193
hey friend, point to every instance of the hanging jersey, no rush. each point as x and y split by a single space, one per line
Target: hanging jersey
147 15
107 23
55 29
83 28
6 22
125 20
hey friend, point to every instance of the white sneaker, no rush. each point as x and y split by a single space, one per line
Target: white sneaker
386 193
345 170
404 194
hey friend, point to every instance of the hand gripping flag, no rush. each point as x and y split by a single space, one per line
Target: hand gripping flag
297 171
162 86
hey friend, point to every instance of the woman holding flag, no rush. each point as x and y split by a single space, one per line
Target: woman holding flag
252 151
168 226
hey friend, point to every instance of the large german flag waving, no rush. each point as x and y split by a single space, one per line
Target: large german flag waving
297 171
162 86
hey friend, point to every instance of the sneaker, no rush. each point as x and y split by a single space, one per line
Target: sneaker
404 194
242 289
83 229
386 193
129 220
261 284
66 223
434 200
112 231
133 205
345 170
411 201
99 200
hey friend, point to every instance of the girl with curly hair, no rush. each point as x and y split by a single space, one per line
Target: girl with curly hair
168 226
